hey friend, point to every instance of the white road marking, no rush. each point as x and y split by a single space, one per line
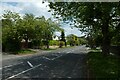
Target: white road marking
29 64
46 58
23 72
68 52
62 55
72 50
68 77
41 68
11 65
64 51
56 57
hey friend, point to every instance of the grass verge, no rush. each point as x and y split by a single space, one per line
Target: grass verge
103 67
26 51
56 48
48 49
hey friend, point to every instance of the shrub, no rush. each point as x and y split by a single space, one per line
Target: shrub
54 42
61 43
11 45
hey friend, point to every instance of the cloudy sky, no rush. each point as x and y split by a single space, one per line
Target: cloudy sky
36 8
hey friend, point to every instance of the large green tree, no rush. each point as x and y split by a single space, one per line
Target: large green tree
29 28
63 37
10 35
90 17
48 30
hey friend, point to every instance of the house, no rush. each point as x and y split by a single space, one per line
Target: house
55 37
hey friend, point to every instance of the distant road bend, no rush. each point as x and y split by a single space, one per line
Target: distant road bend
60 63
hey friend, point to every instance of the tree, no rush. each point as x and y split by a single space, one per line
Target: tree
48 29
10 35
27 29
72 40
90 17
63 37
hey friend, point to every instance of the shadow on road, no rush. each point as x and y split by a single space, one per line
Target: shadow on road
69 65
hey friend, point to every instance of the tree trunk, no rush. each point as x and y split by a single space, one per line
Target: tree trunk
106 39
65 44
26 43
47 44
61 44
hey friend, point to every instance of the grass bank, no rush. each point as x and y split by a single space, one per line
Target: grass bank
103 67
26 51
48 49
54 48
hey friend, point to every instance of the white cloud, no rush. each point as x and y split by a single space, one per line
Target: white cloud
69 30
5 6
21 1
36 8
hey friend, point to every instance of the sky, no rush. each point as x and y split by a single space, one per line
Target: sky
38 9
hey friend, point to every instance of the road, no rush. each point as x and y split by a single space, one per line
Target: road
60 63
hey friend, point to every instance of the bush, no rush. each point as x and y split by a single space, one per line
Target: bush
61 43
11 45
25 51
54 42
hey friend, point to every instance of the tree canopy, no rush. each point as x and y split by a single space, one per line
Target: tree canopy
99 18
29 28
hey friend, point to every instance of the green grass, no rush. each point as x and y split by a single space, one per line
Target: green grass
103 67
95 50
26 51
56 48
48 49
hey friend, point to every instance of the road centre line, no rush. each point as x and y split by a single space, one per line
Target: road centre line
11 65
29 64
55 58
68 52
58 57
23 72
46 58
73 50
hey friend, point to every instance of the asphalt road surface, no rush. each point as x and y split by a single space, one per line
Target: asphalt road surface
60 63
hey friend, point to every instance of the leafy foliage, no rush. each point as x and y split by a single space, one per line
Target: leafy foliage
54 42
92 18
63 38
29 28
72 40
